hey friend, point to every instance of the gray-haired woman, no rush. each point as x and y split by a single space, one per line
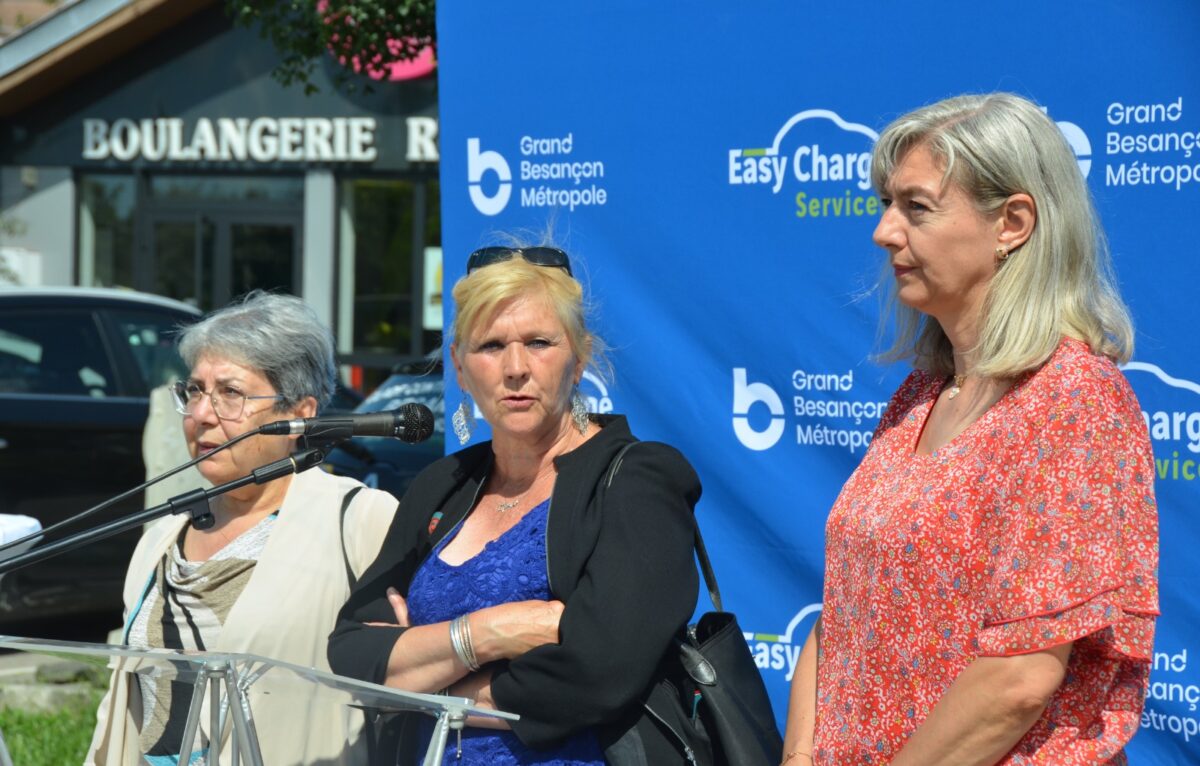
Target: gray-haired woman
269 576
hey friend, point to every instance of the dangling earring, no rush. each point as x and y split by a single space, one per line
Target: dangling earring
463 419
579 413
1002 254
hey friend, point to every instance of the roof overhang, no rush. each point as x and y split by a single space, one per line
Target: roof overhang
77 39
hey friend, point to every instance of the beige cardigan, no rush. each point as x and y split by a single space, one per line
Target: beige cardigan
286 612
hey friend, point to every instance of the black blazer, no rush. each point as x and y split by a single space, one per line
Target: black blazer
625 573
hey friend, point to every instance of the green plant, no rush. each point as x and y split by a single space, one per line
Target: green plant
364 34
49 739
11 227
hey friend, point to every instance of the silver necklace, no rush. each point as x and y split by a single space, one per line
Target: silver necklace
503 506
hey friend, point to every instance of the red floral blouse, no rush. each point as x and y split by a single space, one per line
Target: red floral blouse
1034 527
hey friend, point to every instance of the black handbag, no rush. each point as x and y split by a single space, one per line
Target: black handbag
719 689
709 695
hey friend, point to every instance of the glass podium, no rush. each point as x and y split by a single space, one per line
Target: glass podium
221 708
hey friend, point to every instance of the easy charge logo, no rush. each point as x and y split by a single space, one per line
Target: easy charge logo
827 156
479 163
781 651
1171 410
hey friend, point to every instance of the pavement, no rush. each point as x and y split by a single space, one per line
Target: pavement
20 667
30 681
46 684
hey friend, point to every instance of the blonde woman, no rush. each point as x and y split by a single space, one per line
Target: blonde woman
990 567
513 577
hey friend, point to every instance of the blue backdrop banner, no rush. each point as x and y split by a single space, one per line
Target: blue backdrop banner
708 172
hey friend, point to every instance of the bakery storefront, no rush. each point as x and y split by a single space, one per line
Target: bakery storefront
159 154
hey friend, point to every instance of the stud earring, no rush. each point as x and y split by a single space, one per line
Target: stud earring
579 413
1002 254
463 419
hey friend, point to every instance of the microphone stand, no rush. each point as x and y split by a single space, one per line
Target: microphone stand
40 534
193 503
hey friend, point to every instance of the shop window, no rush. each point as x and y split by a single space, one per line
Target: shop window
56 353
215 189
263 256
151 340
208 239
388 225
106 231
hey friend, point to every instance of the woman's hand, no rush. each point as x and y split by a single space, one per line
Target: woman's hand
399 606
506 631
423 658
802 703
499 632
990 706
478 688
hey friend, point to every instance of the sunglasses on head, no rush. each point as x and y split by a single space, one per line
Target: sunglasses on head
538 256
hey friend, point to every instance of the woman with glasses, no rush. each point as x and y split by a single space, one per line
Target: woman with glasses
513 577
269 575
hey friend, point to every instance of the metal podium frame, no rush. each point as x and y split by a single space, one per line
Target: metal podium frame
226 677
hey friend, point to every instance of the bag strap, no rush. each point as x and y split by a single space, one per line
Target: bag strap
615 465
710 578
349 498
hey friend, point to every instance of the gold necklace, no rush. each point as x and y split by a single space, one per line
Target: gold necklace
956 386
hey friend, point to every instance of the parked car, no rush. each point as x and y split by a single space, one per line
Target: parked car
76 367
387 463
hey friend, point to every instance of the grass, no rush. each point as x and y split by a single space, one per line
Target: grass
60 738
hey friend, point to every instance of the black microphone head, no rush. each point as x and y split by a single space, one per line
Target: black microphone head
415 422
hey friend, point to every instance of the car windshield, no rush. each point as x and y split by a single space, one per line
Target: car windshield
400 389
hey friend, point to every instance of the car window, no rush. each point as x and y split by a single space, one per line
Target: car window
401 389
59 352
151 339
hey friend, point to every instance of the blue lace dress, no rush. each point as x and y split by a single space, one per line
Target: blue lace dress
510 568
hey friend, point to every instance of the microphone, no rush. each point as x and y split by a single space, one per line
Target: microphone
411 423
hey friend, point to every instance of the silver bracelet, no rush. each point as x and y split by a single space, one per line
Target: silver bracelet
460 640
456 642
469 644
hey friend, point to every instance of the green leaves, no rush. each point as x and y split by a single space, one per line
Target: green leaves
367 36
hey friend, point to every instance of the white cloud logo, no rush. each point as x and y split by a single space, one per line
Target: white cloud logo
1162 375
781 651
1172 420
821 114
479 163
744 396
771 166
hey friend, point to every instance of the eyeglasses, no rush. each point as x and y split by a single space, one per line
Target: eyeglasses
227 402
538 256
